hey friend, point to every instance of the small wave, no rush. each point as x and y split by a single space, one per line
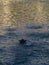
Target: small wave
10 29
38 35
2 37
11 34
34 27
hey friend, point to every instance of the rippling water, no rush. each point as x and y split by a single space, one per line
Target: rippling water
28 20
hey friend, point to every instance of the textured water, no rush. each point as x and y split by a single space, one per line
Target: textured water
34 52
28 20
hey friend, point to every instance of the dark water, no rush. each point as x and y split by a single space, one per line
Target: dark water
34 52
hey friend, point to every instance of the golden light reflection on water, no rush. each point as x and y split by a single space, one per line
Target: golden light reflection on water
40 13
13 13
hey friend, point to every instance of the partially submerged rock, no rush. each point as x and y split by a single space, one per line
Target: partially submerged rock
22 41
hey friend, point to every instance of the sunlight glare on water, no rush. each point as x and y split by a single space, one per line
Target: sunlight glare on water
15 14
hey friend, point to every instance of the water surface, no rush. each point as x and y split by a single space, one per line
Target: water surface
28 20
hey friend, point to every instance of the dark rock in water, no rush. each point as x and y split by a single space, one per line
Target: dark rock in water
22 41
